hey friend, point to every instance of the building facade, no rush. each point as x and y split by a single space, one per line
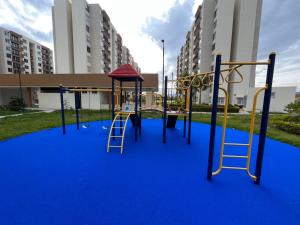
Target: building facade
22 55
19 54
228 27
85 40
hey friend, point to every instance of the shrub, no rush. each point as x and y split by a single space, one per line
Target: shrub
293 108
293 128
206 108
288 123
16 104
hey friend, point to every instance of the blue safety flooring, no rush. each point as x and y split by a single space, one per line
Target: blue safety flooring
48 178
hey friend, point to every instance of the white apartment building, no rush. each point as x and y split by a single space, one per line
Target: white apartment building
230 28
19 54
85 40
22 55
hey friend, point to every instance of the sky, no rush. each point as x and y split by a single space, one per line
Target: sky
143 23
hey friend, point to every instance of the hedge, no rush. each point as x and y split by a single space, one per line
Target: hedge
288 123
207 108
290 127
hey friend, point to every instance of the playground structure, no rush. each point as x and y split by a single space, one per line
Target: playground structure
122 112
213 78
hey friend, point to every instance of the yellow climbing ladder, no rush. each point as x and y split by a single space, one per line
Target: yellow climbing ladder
119 123
248 145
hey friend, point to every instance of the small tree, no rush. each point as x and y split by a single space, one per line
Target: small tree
293 108
16 104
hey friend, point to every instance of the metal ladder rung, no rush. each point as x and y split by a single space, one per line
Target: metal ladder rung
115 146
234 168
117 127
235 156
120 120
236 144
116 136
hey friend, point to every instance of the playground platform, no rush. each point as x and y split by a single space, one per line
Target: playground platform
49 178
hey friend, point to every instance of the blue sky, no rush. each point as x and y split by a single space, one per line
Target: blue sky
150 21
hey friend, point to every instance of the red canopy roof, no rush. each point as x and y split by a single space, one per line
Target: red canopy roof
125 71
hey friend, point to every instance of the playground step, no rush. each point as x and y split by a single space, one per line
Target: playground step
236 144
236 156
234 168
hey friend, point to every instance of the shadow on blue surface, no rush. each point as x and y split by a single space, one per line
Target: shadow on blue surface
48 178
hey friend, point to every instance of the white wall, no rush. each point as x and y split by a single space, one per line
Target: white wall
63 36
245 39
281 97
52 100
96 38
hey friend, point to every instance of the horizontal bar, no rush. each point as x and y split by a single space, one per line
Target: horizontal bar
117 127
115 146
116 136
236 144
233 168
235 156
120 120
245 63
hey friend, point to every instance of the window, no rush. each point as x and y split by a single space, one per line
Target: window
8 48
273 95
87 28
39 64
88 49
8 56
7 40
9 62
27 67
221 101
240 101
40 70
39 47
9 70
24 41
213 47
25 60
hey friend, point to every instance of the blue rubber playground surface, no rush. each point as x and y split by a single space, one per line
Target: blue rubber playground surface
48 178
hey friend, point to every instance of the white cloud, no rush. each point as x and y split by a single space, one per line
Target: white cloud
25 18
287 68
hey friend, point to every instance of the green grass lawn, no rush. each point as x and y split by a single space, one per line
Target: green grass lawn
28 123
6 112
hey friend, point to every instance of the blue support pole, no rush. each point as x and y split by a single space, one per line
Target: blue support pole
264 118
213 122
113 103
121 89
135 110
190 115
184 126
62 109
77 102
140 119
165 110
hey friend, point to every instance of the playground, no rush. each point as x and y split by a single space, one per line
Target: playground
48 178
135 170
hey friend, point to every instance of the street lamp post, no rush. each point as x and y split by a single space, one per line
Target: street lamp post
20 85
163 71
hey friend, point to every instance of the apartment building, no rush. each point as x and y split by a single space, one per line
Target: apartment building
22 55
229 27
85 40
19 54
